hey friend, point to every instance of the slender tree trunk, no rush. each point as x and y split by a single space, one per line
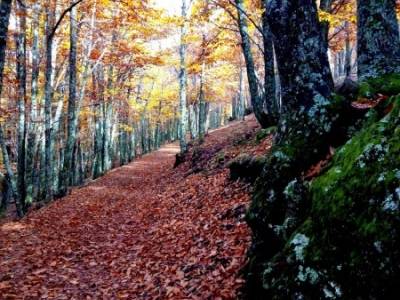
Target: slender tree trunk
32 128
326 6
270 94
202 103
48 180
108 113
68 172
183 80
378 38
5 10
348 50
262 101
10 174
20 37
242 99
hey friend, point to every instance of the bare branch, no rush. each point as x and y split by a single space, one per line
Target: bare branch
53 31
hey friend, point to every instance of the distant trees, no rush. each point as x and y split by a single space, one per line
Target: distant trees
88 89
263 97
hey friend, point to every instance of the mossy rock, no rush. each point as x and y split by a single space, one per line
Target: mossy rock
349 245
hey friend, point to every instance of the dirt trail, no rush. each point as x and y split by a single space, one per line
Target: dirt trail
143 231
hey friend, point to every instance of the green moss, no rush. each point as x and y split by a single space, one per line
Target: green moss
353 225
350 215
388 84
264 133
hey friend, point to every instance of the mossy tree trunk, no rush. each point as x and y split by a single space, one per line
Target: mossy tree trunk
306 80
378 38
306 123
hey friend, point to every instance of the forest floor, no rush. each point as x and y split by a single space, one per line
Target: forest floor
143 231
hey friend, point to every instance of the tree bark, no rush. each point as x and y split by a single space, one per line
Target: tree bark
32 128
349 51
306 86
378 38
257 99
305 128
20 37
326 6
270 86
48 177
5 10
67 174
202 103
183 80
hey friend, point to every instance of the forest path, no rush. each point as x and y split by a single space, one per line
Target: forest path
143 231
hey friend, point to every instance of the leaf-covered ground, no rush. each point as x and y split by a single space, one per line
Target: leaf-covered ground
143 231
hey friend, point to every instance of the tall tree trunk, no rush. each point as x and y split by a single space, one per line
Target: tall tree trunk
261 100
183 80
270 93
67 174
241 96
32 129
306 124
349 51
378 38
20 37
326 6
48 177
5 10
297 39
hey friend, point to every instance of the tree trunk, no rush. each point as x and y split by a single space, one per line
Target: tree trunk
5 10
68 172
241 96
20 37
305 128
202 103
48 180
262 101
348 62
270 93
32 129
378 38
326 6
183 80
297 39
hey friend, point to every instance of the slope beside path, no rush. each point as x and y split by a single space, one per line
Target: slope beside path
143 231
